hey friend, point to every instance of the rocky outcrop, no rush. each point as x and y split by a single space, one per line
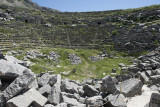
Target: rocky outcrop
74 59
53 56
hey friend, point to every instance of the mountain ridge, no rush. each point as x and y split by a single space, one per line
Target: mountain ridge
25 4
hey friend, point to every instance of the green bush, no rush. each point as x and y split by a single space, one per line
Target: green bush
156 42
114 32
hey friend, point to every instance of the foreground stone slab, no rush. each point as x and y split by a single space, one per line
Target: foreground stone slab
34 84
80 105
14 60
155 87
130 87
45 90
70 101
49 105
121 78
44 79
155 100
133 68
54 95
32 96
145 66
108 85
144 78
90 91
95 101
154 79
75 95
10 70
116 100
150 72
141 100
62 105
19 84
71 87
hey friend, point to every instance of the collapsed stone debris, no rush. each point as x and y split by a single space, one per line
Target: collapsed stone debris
20 87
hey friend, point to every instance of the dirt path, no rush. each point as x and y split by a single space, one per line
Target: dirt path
141 100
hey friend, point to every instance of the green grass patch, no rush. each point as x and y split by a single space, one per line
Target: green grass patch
87 69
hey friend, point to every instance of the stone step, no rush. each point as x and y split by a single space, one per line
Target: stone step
4 45
6 40
5 49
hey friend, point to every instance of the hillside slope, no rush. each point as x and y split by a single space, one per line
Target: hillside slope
20 3
132 30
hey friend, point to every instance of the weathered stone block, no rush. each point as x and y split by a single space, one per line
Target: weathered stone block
19 84
155 100
95 101
116 101
32 96
54 95
154 79
108 85
130 87
44 79
90 91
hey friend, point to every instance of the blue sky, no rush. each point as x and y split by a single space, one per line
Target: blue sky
94 5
